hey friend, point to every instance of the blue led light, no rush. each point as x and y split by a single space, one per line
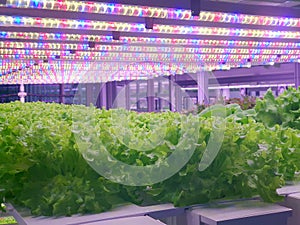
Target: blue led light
81 23
85 46
110 7
194 41
27 51
140 27
140 12
35 3
236 18
277 34
17 20
3 34
57 36
237 32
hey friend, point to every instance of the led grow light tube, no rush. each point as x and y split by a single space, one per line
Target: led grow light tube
119 56
145 11
15 21
151 49
143 40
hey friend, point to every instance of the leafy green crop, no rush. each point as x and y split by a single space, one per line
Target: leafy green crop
44 166
283 110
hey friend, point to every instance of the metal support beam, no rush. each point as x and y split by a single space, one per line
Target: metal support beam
111 93
127 95
159 89
172 101
150 95
89 94
202 84
297 75
62 93
178 98
101 100
137 95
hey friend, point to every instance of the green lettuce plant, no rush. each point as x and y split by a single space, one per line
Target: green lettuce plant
43 167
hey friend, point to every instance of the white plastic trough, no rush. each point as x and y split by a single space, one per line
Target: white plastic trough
124 212
252 212
292 200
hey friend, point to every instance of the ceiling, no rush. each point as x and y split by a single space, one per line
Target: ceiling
64 41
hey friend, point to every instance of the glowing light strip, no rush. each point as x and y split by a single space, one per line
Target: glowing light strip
113 65
145 11
143 40
140 27
119 56
29 46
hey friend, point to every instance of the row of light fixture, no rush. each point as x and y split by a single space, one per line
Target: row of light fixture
18 48
154 12
16 21
117 56
112 66
144 40
46 62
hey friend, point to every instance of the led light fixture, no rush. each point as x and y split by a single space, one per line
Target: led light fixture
8 21
155 12
146 40
72 48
